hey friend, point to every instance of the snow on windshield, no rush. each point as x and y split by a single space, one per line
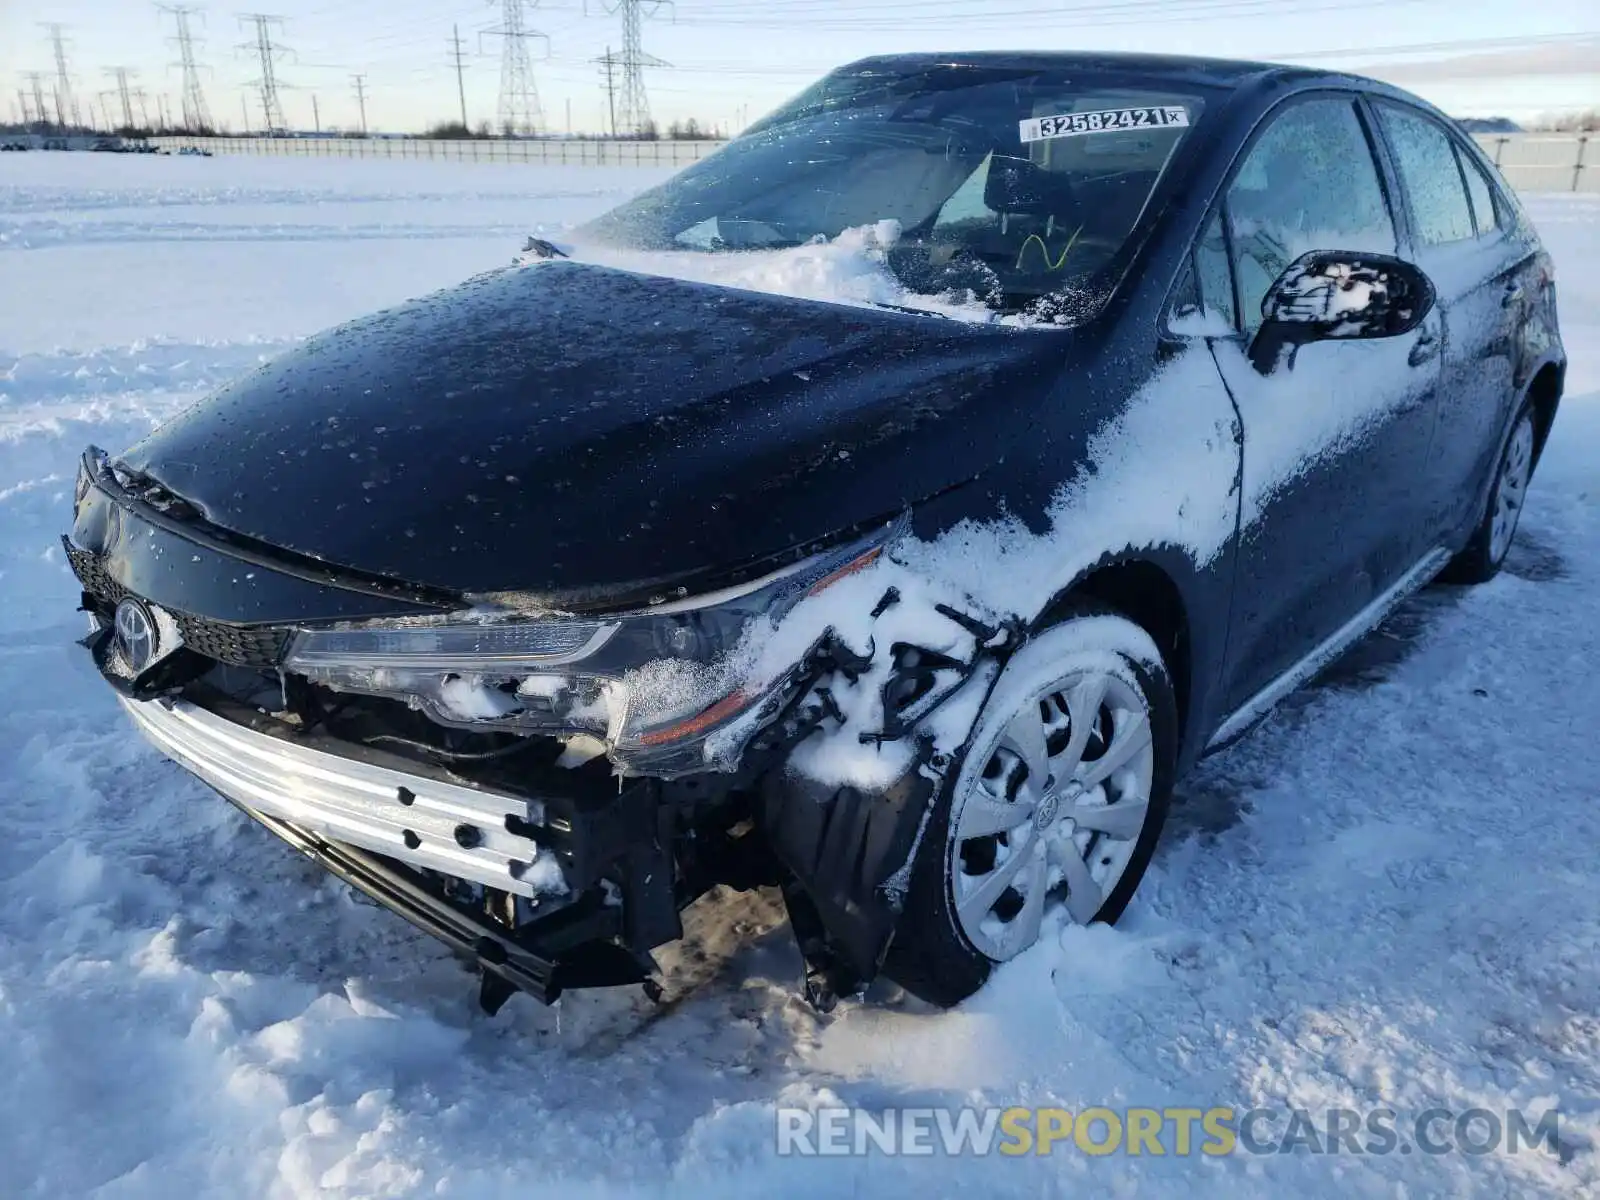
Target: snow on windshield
849 269
1006 189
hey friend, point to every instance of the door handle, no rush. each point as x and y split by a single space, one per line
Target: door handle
1426 347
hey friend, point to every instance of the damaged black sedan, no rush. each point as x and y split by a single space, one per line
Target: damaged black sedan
887 509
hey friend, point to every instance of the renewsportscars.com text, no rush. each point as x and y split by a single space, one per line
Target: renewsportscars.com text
1214 1131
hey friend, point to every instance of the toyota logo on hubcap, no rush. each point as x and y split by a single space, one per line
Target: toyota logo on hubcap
135 635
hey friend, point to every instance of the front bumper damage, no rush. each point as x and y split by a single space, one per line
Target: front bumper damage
548 879
467 832
485 871
576 947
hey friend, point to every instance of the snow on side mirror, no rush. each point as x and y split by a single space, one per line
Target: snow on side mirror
1338 294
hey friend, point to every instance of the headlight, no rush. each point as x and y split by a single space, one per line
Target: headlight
650 683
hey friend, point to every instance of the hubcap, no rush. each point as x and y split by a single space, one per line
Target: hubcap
1510 489
1054 813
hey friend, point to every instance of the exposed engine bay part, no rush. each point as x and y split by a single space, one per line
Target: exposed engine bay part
533 855
472 834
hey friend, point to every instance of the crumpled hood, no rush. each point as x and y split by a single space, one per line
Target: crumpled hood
582 434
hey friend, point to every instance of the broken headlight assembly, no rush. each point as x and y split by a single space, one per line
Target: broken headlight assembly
650 685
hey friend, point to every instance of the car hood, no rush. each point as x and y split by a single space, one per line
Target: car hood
583 434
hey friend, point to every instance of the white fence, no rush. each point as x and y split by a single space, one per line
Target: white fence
1531 162
1545 162
552 151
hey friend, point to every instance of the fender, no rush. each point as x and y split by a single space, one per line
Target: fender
849 851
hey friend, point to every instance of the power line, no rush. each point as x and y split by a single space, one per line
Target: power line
1073 16
1506 43
635 101
267 51
459 56
196 116
66 105
519 97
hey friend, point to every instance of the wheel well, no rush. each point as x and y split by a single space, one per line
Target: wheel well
1146 595
1544 393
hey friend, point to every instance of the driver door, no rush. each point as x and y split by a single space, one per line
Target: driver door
1336 441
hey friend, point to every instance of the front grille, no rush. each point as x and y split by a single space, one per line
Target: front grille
237 645
96 580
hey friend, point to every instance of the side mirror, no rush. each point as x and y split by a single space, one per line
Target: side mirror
1335 294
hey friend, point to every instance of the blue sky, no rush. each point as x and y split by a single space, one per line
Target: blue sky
734 59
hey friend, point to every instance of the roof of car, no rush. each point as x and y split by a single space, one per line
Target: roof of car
1219 72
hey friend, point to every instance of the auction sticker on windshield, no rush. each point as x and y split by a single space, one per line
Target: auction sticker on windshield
1111 120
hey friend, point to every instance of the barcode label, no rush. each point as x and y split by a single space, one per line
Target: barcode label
1111 120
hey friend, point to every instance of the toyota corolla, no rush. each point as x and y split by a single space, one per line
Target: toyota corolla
1120 395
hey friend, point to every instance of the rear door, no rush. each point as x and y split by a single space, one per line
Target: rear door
1459 236
1335 444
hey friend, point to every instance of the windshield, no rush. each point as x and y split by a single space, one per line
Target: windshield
1017 187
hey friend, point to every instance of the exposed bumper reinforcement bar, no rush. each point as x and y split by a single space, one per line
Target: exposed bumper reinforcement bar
575 944
422 822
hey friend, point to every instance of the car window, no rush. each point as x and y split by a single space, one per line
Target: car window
1213 275
1431 176
1203 301
1481 193
1308 183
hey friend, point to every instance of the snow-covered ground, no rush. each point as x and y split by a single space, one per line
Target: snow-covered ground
1388 895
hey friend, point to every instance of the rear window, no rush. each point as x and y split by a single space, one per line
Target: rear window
1435 190
1481 193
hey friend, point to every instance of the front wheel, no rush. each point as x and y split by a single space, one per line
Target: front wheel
1486 553
1058 805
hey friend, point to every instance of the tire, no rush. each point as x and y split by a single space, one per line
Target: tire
1485 553
942 956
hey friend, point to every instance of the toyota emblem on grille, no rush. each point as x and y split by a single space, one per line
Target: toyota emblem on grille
135 635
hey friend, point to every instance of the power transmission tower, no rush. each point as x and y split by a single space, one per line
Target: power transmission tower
519 98
633 116
360 82
66 105
36 82
140 95
122 75
609 63
196 116
267 51
458 56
